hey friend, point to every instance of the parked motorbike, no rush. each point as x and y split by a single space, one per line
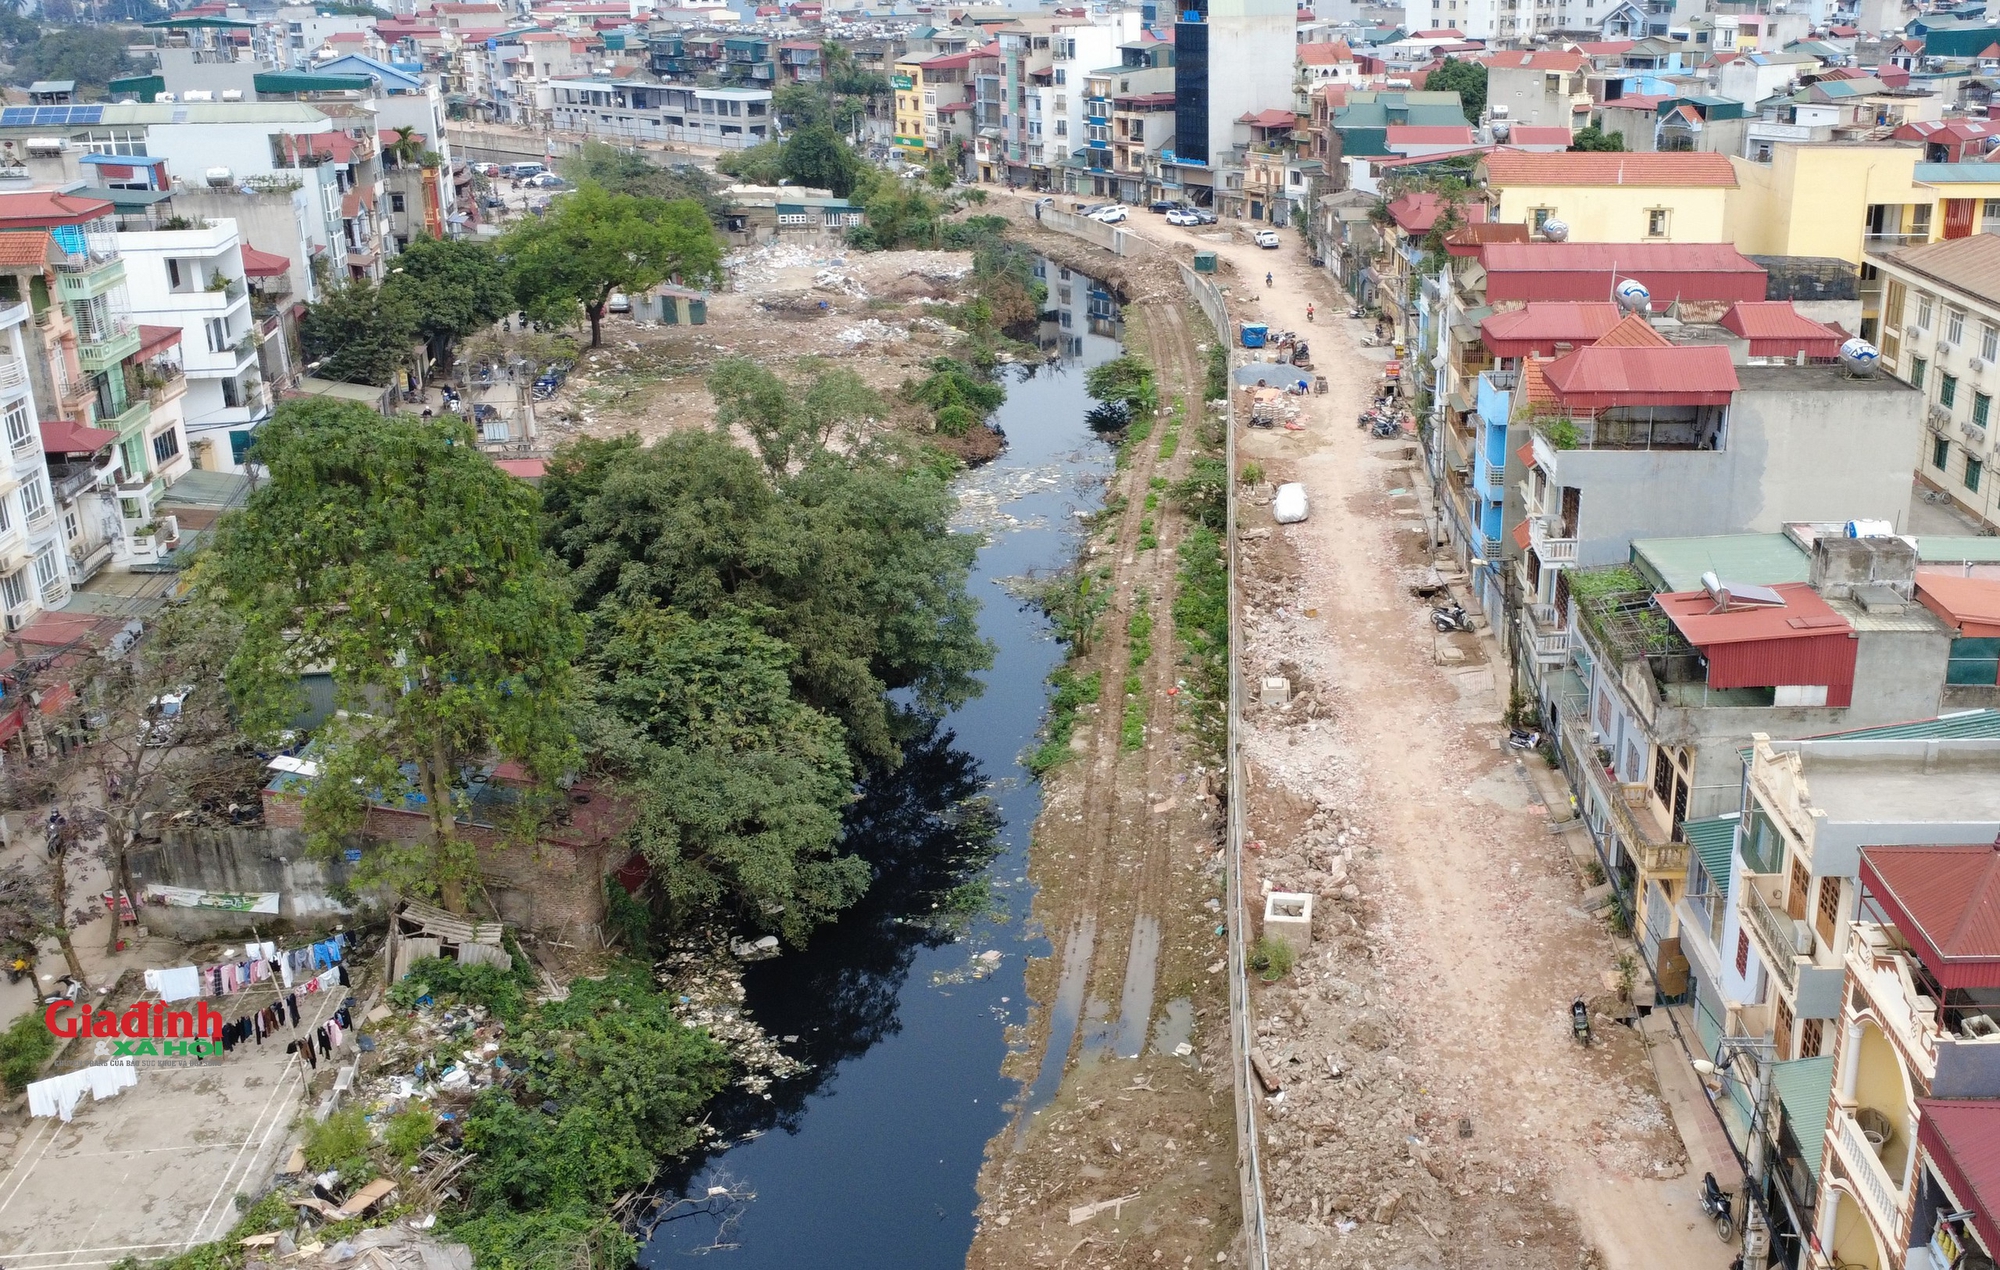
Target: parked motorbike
1385 428
17 970
1451 617
1356 314
1716 1204
1579 1021
1523 739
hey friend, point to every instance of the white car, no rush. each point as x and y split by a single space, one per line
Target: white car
162 724
1113 215
1183 218
1267 239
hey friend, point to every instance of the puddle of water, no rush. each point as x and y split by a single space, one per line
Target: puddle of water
1064 1014
1136 1006
1175 1028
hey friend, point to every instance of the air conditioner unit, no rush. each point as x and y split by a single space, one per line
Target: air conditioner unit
47 145
1911 332
1975 364
1802 937
15 621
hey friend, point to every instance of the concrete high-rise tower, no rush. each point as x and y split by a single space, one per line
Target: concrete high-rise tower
1231 58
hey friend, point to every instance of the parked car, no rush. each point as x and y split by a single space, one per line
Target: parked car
1267 239
1112 215
486 169
1183 216
545 181
618 303
1160 205
523 171
162 724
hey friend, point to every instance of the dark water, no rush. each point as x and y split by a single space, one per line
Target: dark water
869 1160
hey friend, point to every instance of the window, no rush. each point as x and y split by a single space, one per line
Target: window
1811 1038
1924 304
1954 326
166 445
1989 342
20 425
34 497
1656 223
1947 391
70 527
395 202
218 334
1062 76
47 570
1940 453
1982 405
14 589
1742 951
1542 215
1974 469
1917 368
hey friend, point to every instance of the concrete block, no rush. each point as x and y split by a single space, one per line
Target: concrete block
1597 897
1276 690
1288 916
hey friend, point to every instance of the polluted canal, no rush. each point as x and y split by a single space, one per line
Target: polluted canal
869 1158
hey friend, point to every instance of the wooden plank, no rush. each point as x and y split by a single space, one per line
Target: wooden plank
365 1198
1267 1075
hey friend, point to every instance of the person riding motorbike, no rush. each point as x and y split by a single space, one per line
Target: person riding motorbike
1309 313
1267 280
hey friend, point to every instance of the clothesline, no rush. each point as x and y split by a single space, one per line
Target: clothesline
59 1095
265 963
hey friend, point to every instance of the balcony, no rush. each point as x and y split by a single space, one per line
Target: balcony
1776 931
1547 636
13 314
1889 242
67 480
131 421
1886 972
1551 549
106 346
1489 479
1880 1196
55 593
87 276
13 375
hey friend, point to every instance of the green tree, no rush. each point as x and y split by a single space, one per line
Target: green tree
761 164
631 172
359 333
788 422
800 106
593 242
455 288
849 559
93 56
900 213
394 554
1467 79
817 158
1595 138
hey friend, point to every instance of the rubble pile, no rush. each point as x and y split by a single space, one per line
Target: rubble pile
400 1246
707 987
872 331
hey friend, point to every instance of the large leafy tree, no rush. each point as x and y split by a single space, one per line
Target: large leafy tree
454 288
789 422
360 333
593 242
817 158
631 172
394 554
93 56
1595 138
848 559
1467 79
761 164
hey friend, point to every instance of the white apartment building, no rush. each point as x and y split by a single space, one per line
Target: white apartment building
1940 331
1044 62
634 110
193 280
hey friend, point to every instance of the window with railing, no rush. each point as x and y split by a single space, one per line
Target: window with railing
47 567
35 499
20 426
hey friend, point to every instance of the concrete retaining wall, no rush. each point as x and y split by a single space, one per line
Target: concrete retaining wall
1109 237
240 859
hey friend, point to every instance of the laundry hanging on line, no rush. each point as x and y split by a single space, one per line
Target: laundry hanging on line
59 1095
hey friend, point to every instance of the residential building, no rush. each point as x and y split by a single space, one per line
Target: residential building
929 91
1614 197
1322 63
1676 122
1224 55
1045 61
1356 123
1846 200
633 110
1142 131
1548 87
1940 332
1489 20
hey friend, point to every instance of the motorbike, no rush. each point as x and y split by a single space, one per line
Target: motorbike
1716 1204
1579 1021
1385 427
17 970
1356 314
1523 739
1451 617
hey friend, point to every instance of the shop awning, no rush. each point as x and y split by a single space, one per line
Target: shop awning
1713 840
67 436
264 264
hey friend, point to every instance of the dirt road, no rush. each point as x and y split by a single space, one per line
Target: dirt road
1436 1109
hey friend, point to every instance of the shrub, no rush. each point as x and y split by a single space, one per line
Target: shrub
338 1141
25 1047
1271 959
407 1133
500 991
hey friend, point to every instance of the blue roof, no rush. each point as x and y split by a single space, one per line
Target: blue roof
123 160
392 79
1958 173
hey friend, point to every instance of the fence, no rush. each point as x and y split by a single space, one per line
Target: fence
1249 1171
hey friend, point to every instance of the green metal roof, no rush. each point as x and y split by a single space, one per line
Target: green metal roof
210 23
1805 1086
305 82
143 87
1965 725
1676 564
1944 549
1713 840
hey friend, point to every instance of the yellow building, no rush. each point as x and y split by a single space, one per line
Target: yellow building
1672 197
907 81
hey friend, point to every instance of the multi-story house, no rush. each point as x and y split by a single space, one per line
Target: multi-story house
930 90
801 62
1142 128
1045 63
1543 86
635 110
1614 198
1225 52
1940 331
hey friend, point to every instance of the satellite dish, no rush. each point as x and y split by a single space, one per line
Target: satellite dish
1555 230
1860 357
1632 296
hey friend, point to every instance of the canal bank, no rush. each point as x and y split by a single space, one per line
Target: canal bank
904 1014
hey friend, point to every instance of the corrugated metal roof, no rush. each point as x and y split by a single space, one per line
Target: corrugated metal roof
1964 725
1605 376
1713 840
1952 549
1631 331
1946 902
1588 271
1776 329
1971 604
1962 1135
1803 615
1957 174
1804 1087
1676 564
1677 169
1801 643
1543 324
1970 266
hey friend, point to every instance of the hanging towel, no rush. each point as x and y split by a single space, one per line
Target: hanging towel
177 984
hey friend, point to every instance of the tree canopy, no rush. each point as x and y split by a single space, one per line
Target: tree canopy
789 422
817 158
394 554
629 172
93 56
1467 79
592 242
453 288
360 333
1595 138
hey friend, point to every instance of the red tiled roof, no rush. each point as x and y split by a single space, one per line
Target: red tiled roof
67 436
1946 902
1270 119
1428 135
1466 240
1667 168
1418 160
1803 615
1325 54
1606 48
1417 212
1971 604
46 208
264 264
1537 134
1588 271
1637 101
525 469
1535 389
1632 331
1607 375
1776 329
24 248
1508 59
1962 1136
1541 325
1522 534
